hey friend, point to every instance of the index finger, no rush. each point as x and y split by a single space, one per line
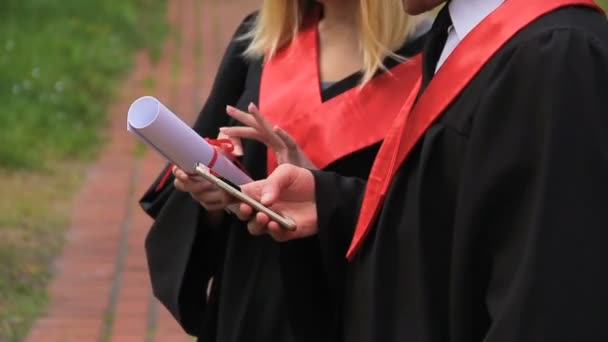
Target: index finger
240 116
267 127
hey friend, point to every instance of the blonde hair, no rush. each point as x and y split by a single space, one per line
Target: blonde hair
383 27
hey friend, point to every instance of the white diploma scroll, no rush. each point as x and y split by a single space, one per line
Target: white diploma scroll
166 133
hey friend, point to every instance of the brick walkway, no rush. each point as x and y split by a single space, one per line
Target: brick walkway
101 290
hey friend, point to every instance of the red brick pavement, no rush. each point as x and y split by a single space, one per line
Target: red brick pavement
101 289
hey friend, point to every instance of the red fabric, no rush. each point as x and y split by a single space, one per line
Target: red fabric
457 71
164 179
290 97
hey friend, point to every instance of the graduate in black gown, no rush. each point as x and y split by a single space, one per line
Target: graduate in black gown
484 217
219 282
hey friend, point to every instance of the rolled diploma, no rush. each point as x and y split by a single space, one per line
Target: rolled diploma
165 132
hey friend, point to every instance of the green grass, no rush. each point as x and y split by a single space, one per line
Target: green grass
32 220
61 63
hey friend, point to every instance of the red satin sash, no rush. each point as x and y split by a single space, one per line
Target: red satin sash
290 97
453 76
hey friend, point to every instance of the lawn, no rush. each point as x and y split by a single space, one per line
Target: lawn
60 64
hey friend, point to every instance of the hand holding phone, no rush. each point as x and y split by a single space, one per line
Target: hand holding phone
236 192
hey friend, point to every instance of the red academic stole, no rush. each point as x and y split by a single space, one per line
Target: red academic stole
290 97
453 76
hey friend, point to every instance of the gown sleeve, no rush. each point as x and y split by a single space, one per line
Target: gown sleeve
338 200
532 210
183 251
312 269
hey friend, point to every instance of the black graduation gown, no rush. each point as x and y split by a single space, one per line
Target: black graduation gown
247 301
495 227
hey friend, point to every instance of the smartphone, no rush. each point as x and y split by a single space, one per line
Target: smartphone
235 191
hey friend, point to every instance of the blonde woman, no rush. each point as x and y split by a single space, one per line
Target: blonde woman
307 83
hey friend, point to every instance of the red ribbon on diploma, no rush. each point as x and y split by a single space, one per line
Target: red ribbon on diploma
227 148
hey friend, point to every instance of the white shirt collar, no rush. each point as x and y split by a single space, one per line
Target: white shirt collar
466 14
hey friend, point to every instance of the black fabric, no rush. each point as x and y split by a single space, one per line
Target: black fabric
495 227
434 45
314 285
248 301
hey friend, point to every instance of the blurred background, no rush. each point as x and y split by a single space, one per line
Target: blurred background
72 263
60 65
71 235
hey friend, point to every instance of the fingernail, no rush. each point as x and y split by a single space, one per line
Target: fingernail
223 129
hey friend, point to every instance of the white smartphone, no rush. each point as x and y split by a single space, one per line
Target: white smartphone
235 191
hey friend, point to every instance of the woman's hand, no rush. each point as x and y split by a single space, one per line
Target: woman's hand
258 128
206 193
290 191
